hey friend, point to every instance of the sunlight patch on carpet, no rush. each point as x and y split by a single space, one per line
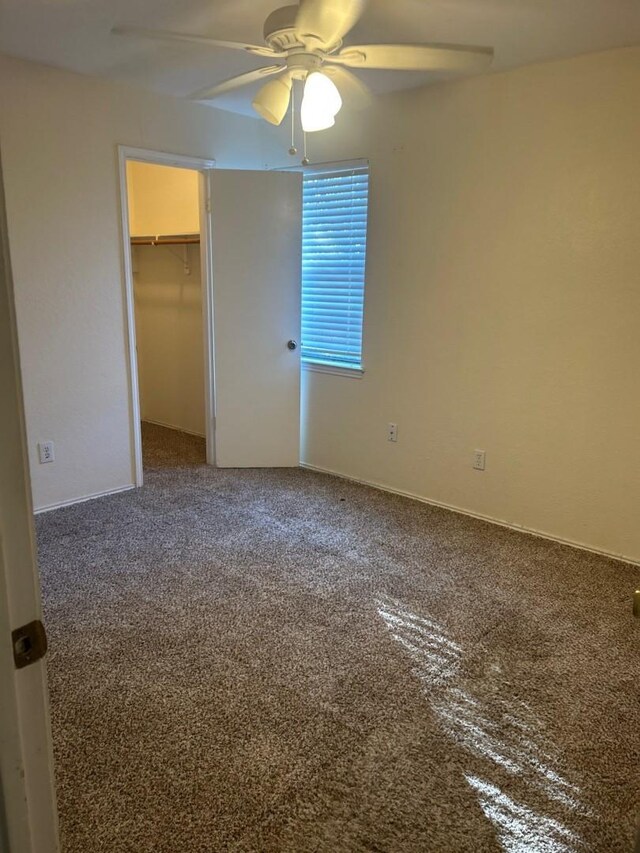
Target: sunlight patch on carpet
497 729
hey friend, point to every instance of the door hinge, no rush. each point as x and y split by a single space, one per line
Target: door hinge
207 205
29 643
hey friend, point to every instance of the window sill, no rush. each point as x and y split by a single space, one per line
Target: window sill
335 369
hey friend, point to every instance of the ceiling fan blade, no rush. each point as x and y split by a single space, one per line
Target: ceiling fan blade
191 38
326 22
415 57
352 90
232 83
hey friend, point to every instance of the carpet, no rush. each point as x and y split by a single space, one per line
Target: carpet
279 660
170 448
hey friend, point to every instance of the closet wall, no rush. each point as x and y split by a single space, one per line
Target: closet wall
168 297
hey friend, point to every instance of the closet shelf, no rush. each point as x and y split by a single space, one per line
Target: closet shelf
165 240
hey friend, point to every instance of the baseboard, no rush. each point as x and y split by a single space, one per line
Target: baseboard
497 521
173 427
83 499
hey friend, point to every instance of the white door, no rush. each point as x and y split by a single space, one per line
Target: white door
28 822
257 236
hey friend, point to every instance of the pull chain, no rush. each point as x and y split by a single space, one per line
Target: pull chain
305 159
293 150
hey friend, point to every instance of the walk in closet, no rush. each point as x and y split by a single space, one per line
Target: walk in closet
167 281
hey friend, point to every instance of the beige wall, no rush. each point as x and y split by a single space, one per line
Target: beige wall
169 337
162 200
503 303
58 133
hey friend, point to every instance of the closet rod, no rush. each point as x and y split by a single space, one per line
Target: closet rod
165 240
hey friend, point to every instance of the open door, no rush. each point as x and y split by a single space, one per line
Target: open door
257 238
28 818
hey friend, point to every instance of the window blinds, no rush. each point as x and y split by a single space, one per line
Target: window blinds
334 238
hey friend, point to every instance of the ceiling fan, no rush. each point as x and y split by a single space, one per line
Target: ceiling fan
308 41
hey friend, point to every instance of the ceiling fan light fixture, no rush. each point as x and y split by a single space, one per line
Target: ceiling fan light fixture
320 103
272 100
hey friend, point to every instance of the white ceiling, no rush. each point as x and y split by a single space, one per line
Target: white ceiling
75 34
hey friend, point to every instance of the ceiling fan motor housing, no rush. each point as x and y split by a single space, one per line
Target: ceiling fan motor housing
280 31
281 34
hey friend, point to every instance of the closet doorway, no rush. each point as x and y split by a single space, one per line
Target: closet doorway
167 277
250 246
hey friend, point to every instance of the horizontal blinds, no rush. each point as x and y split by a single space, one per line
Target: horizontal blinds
334 237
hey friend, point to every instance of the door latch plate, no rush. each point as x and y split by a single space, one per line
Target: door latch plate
29 643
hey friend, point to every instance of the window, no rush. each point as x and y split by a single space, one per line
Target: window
334 242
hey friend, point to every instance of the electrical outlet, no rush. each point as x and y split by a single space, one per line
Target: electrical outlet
46 451
479 460
392 432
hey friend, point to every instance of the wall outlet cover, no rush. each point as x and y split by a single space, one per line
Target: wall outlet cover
46 452
479 460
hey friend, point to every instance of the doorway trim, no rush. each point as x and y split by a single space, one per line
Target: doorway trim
203 167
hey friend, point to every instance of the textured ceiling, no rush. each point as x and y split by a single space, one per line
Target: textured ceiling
75 34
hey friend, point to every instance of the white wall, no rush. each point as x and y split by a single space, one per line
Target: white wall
503 304
58 134
169 337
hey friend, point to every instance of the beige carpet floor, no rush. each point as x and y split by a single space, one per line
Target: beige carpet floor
277 660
